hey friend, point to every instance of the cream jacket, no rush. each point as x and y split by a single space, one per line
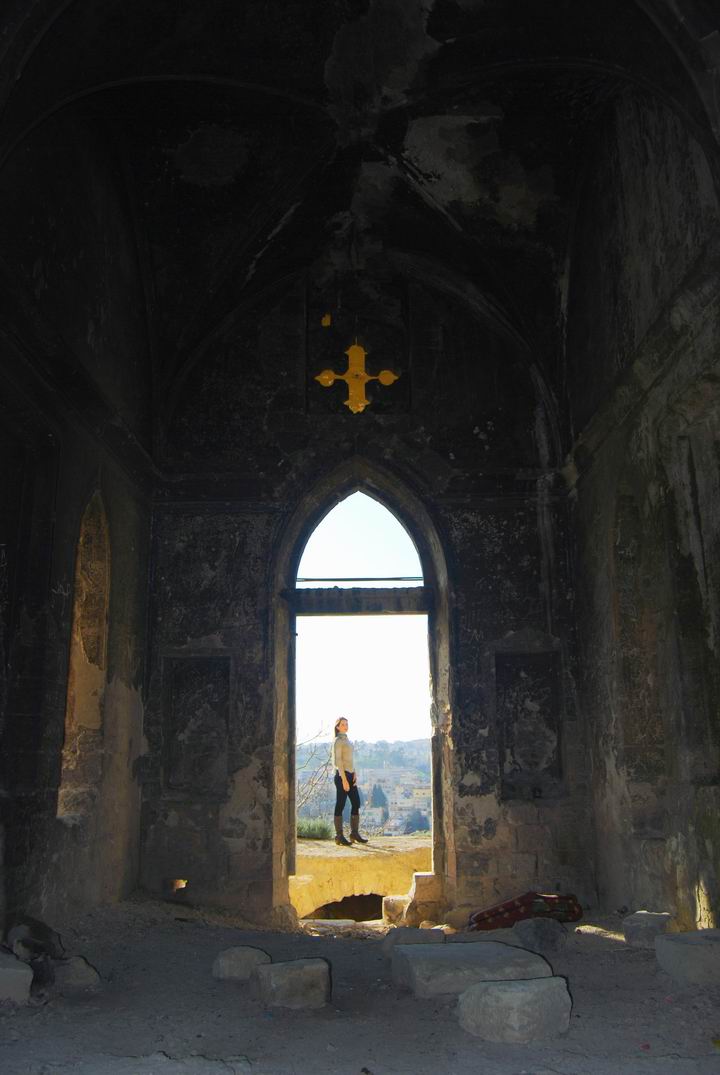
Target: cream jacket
343 754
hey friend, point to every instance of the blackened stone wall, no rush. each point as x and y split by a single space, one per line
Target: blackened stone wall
469 434
644 303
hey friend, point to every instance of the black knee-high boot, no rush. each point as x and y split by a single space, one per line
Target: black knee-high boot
355 830
339 834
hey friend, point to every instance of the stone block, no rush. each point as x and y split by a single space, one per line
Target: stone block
393 909
533 838
238 963
499 936
691 958
641 928
424 899
410 935
521 863
458 916
15 979
425 888
516 1011
522 813
543 935
75 976
298 983
435 970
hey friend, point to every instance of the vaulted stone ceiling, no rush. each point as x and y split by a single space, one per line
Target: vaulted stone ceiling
258 140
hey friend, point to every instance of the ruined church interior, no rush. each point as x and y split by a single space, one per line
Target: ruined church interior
462 256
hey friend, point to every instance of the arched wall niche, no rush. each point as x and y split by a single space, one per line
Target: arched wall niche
359 475
83 743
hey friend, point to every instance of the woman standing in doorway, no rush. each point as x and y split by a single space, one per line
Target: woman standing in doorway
346 786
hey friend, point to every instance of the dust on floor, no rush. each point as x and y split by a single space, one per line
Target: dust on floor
160 1012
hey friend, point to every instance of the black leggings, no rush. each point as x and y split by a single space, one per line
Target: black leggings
342 796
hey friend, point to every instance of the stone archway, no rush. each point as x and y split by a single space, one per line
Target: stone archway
358 475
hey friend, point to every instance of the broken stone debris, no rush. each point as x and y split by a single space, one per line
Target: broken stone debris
75 977
393 909
691 958
516 1011
15 979
641 928
410 935
434 970
29 938
539 934
298 983
332 926
238 963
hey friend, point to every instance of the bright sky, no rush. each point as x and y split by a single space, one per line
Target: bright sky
359 537
373 670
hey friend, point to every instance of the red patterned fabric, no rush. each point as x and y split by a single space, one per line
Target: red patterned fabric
530 905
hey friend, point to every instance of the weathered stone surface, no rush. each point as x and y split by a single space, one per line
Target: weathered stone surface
641 928
326 873
15 979
328 925
692 958
410 935
433 970
238 963
458 916
75 976
394 908
424 899
298 983
541 935
516 1011
500 936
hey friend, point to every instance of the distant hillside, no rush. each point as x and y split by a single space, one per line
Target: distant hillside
414 754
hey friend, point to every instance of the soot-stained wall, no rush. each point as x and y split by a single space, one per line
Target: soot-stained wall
75 419
465 431
643 344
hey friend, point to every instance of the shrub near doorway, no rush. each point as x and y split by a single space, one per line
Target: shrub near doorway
313 828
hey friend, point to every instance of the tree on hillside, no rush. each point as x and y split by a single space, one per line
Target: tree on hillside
379 798
416 822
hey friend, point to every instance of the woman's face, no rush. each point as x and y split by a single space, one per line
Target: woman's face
342 725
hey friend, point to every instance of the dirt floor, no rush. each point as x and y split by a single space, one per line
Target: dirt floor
160 1012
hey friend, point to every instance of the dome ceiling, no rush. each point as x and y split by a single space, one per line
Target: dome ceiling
266 139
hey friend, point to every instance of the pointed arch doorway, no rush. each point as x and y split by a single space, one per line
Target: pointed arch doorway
425 594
